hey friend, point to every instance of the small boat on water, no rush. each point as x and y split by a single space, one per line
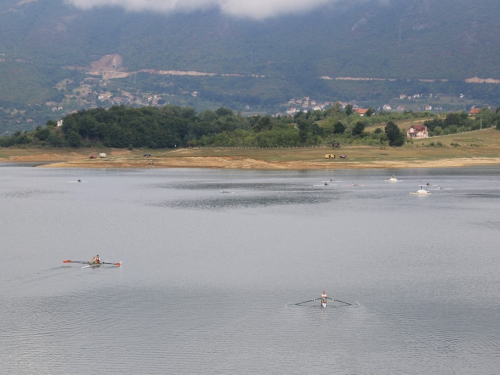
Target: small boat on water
323 302
421 191
93 263
392 179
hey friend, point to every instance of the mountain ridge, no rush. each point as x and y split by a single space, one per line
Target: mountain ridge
446 46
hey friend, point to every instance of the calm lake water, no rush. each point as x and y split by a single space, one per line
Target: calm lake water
209 280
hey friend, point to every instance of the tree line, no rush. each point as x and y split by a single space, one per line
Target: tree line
173 126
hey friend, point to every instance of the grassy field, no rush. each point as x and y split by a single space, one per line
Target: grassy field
481 143
480 147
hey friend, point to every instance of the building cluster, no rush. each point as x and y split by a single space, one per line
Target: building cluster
402 108
422 96
305 105
128 98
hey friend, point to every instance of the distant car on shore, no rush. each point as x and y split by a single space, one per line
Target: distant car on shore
148 154
343 156
92 157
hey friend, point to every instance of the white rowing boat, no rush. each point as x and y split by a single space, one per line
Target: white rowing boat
323 302
93 264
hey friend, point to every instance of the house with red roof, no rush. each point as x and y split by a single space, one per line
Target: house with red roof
361 111
474 111
417 132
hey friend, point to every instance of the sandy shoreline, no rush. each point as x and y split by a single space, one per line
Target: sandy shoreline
230 162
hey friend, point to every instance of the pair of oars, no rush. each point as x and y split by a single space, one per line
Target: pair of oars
312 300
118 264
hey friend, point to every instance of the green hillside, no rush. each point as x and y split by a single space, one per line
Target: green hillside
406 40
452 39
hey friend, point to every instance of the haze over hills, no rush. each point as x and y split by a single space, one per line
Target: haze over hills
257 55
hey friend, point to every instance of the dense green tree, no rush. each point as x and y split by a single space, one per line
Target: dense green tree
358 129
338 128
394 135
302 125
264 123
42 134
74 139
349 110
207 115
55 140
220 112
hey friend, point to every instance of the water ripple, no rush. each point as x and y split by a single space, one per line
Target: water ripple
29 193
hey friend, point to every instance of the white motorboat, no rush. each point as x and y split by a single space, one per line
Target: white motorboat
392 179
421 191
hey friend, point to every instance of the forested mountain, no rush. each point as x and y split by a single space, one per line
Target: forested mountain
251 62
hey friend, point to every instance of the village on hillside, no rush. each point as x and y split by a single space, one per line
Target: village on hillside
93 92
434 103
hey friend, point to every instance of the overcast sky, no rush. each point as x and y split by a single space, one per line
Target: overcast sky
256 9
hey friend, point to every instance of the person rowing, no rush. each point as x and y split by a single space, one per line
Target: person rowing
95 260
324 297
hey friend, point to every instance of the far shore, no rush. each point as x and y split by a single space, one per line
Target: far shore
357 157
230 163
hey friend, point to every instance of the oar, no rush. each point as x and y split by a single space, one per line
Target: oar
75 261
114 264
312 300
347 303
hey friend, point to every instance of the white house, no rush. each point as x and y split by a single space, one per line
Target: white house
417 131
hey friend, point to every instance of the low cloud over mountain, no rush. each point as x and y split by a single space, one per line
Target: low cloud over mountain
255 9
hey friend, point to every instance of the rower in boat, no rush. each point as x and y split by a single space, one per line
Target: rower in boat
324 297
95 260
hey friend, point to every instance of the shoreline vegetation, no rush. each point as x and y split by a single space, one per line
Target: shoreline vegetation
476 148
